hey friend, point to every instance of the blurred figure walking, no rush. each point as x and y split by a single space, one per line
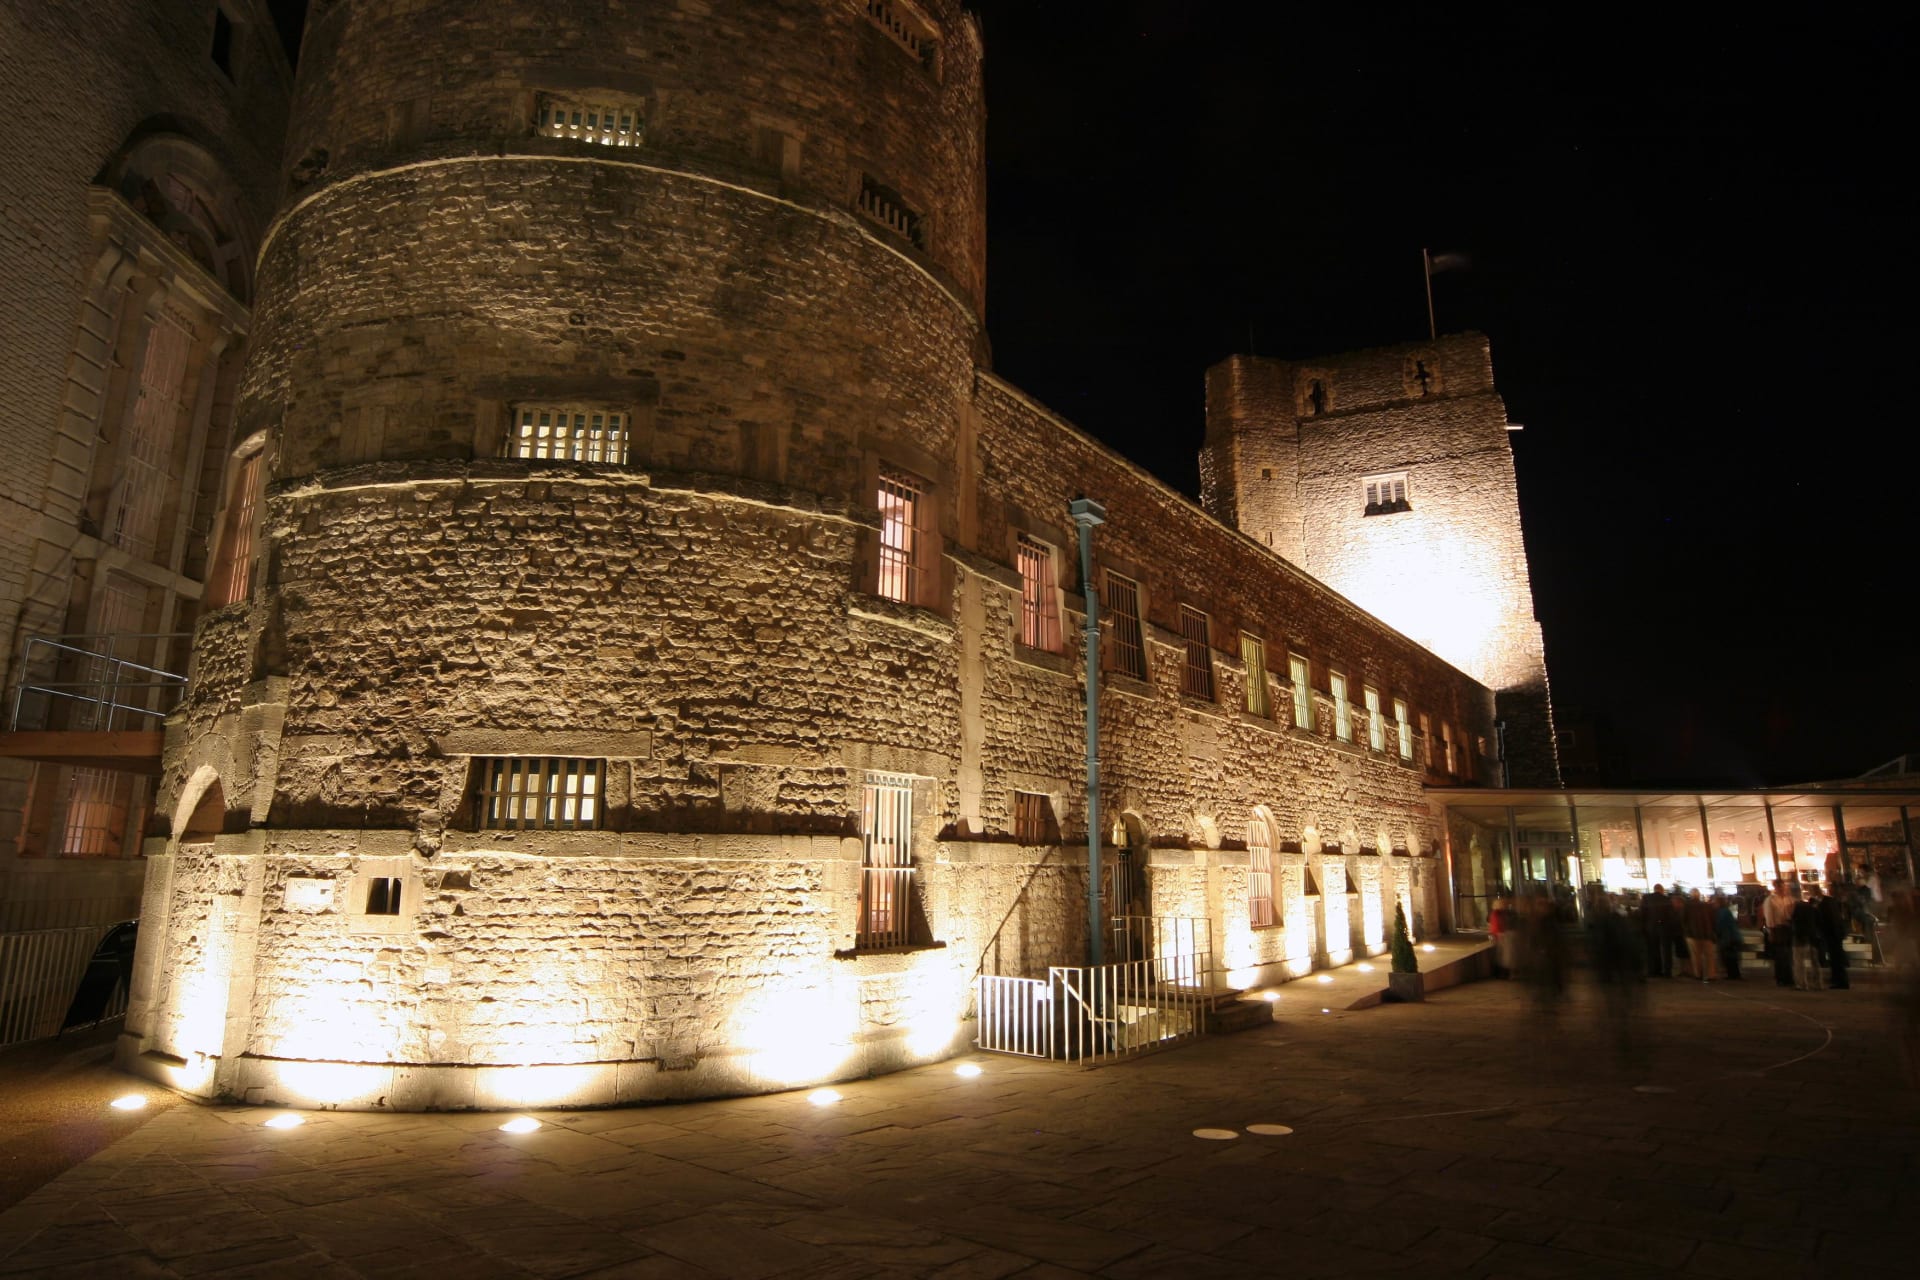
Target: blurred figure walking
1696 921
1835 921
1726 936
1657 927
1776 917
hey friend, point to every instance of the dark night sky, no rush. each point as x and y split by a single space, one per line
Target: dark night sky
1689 248
1690 241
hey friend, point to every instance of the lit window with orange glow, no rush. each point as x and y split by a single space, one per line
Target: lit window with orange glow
902 500
1342 708
1039 597
1403 729
1376 723
231 578
1302 691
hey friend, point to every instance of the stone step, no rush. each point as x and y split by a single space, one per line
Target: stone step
1236 1015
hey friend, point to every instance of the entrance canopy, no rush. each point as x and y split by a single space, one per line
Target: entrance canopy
1503 842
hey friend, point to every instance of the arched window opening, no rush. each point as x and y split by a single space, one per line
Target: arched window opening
175 184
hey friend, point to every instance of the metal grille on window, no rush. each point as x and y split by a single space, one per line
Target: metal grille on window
1033 818
902 501
1403 728
1196 675
890 211
521 793
1039 603
1253 654
1386 493
232 574
569 435
148 478
1342 709
1376 723
907 32
1123 606
1302 692
607 126
886 872
94 809
1260 875
383 896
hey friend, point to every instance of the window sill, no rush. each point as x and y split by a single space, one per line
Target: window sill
1264 723
1133 688
908 617
1058 664
1346 748
1201 706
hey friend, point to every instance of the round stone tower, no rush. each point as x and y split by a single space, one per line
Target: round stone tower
539 695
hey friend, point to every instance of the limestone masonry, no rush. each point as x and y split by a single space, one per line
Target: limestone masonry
642 650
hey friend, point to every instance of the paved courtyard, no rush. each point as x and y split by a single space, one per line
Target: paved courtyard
1744 1131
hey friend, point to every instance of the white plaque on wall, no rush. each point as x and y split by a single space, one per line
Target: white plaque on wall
305 893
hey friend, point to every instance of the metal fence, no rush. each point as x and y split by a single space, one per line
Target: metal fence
1154 996
40 971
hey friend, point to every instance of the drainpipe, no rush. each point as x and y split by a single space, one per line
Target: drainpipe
1086 514
1500 745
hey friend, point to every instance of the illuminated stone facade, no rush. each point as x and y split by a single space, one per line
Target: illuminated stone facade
772 275
1387 475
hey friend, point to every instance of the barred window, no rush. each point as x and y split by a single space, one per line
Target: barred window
1376 723
1260 911
908 29
1342 709
1253 653
1196 674
231 578
1033 818
147 479
1386 493
886 874
1302 692
605 124
383 896
1129 651
887 207
1039 598
528 793
902 499
1403 728
569 434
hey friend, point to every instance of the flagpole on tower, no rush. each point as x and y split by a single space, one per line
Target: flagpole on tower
1426 265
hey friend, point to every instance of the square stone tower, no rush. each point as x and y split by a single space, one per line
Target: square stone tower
1387 475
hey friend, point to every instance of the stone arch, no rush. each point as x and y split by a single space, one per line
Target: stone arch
1131 894
178 185
201 810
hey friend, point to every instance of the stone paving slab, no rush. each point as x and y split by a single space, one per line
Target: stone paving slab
1470 1135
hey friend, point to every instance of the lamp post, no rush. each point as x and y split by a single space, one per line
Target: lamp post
1086 514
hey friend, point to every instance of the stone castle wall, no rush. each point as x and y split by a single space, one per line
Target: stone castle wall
703 618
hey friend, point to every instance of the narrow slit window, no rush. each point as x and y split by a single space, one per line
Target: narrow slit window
1402 728
1196 674
1260 913
1342 709
1129 651
885 206
902 499
529 793
1376 723
1302 691
1039 597
221 51
568 434
1253 654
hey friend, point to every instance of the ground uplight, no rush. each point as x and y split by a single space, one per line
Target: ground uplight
520 1124
1269 995
285 1120
1364 968
1426 946
1326 977
824 1097
129 1102
967 1069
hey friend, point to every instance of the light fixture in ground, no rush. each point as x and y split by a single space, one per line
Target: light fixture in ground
1270 1130
1269 995
1325 977
824 1097
1326 1011
967 1069
1426 946
1215 1135
129 1102
1364 968
520 1124
285 1120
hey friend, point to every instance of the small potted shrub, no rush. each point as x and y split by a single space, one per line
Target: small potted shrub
1404 983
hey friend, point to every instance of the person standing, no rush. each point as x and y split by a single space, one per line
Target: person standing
1806 946
1776 917
1696 921
1726 935
1834 923
1656 926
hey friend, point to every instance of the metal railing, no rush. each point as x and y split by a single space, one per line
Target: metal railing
1088 1013
93 682
39 973
886 907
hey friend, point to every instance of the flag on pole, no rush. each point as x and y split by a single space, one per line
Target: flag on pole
1430 263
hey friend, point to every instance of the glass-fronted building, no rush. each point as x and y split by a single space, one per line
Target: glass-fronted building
1562 842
